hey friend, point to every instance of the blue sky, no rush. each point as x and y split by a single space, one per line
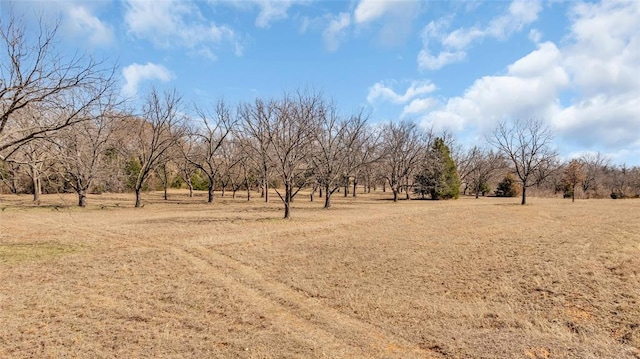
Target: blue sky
460 66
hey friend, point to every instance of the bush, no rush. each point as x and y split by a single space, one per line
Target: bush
199 181
508 187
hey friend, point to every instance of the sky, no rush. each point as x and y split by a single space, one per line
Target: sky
460 66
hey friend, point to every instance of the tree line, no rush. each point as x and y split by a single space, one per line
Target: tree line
65 128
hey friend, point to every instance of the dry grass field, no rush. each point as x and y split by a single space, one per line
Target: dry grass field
369 278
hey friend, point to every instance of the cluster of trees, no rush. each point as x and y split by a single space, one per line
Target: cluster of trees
64 127
285 144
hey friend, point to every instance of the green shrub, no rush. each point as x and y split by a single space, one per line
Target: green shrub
508 187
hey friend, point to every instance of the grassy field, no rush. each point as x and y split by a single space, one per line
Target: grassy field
369 278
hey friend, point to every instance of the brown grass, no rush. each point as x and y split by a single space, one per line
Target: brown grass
368 278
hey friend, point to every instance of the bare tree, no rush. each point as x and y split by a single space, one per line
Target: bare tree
186 169
364 149
157 131
80 149
36 159
404 146
165 170
290 134
255 119
465 164
528 145
208 138
482 166
233 166
9 173
35 77
34 156
338 144
247 165
594 166
573 175
622 180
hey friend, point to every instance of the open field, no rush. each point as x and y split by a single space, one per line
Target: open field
369 278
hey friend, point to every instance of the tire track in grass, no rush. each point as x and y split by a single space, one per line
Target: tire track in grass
337 334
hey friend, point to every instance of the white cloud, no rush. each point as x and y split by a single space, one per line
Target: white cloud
606 42
82 21
453 44
529 89
271 11
171 23
429 62
370 10
520 14
394 18
535 35
336 31
418 106
613 122
538 63
603 58
461 38
416 89
596 73
135 73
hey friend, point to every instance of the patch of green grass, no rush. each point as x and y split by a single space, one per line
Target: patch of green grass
19 252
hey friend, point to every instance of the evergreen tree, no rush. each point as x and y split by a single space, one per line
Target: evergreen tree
439 176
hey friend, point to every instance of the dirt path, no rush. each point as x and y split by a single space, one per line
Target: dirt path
306 318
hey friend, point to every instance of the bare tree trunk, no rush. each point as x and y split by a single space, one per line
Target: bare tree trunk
187 179
37 185
395 194
210 192
287 201
320 194
313 191
37 189
524 195
14 185
355 184
138 202
246 183
406 188
346 187
327 197
265 187
165 182
190 185
82 197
